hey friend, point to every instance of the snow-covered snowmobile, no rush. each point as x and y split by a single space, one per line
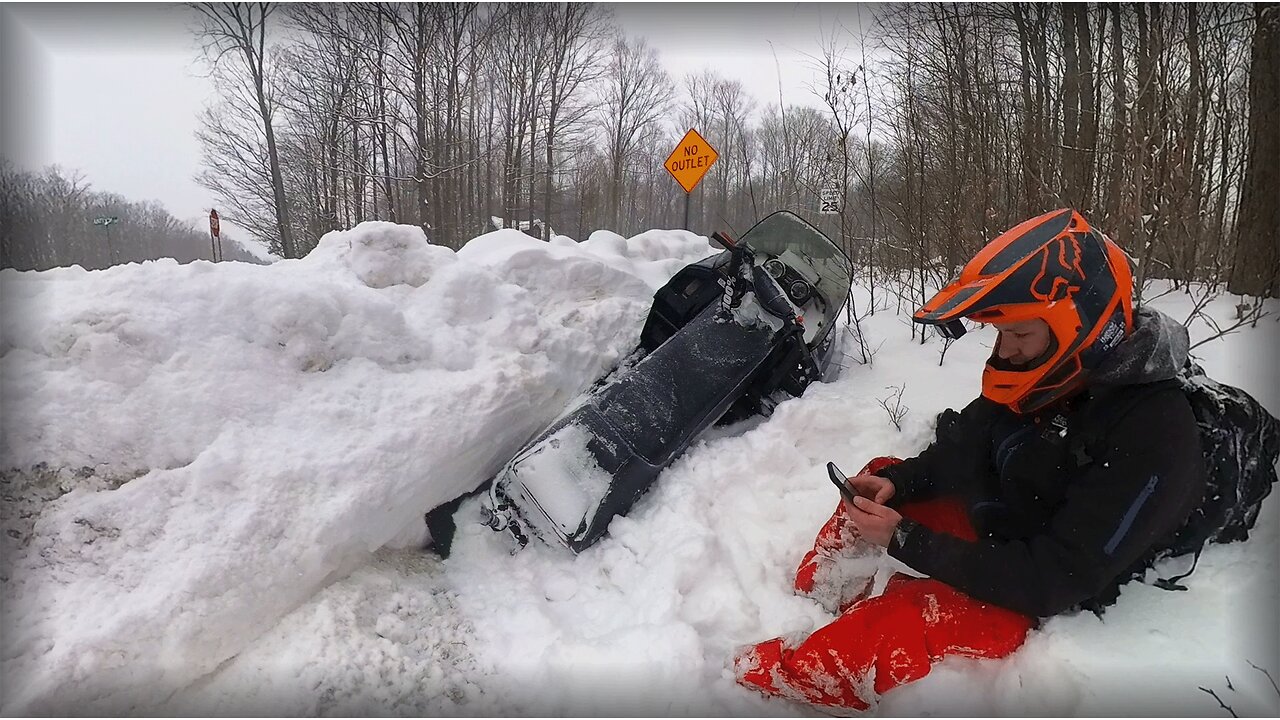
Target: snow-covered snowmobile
722 338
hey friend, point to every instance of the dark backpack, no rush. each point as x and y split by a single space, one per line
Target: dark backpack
1240 441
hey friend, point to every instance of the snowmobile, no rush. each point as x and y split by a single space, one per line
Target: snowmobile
725 339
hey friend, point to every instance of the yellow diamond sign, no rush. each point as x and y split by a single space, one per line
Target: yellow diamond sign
691 159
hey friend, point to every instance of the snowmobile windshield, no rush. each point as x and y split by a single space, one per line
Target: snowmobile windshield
785 231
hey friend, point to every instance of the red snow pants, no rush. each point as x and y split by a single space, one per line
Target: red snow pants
878 643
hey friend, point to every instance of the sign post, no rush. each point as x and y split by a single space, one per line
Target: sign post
215 240
688 163
106 222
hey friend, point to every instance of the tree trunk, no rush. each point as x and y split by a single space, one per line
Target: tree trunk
1257 266
421 172
1070 177
1031 151
383 129
548 172
1087 131
357 187
1119 123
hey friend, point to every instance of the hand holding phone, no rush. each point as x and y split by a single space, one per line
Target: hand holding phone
876 489
838 478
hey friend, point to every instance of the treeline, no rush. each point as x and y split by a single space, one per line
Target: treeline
450 116
47 220
947 124
1152 119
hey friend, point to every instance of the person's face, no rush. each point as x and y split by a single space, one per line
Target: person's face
1021 342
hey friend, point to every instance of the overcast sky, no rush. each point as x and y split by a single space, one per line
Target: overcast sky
115 90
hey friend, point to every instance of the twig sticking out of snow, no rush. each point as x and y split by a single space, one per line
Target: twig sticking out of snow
946 345
897 411
1250 318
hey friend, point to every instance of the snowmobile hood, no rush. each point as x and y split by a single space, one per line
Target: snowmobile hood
1155 350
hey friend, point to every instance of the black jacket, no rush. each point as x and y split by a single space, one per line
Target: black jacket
1069 502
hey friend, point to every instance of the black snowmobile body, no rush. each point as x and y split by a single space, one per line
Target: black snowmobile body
723 336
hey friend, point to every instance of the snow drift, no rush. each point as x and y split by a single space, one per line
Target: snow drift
259 431
214 477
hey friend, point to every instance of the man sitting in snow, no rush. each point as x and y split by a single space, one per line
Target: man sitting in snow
1076 467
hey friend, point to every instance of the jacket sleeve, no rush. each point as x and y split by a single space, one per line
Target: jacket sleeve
1116 510
952 459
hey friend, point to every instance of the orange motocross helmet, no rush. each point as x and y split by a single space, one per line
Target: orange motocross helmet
1054 267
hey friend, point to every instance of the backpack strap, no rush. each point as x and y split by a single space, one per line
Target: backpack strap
1173 583
1087 432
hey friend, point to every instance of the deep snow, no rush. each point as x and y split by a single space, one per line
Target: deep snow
217 476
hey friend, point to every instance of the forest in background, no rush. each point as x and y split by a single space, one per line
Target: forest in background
939 124
47 220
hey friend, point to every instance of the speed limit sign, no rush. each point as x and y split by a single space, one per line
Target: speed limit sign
829 201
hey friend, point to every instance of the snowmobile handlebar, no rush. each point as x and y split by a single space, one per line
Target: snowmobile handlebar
723 238
738 279
743 275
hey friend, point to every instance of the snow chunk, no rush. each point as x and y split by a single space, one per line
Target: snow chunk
381 254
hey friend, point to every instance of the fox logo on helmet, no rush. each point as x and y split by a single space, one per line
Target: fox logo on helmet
1054 281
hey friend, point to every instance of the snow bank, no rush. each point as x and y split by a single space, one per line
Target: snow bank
222 444
646 621
224 440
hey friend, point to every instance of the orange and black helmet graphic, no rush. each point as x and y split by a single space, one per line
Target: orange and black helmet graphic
1056 268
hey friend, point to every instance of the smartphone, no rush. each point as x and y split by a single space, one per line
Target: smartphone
838 478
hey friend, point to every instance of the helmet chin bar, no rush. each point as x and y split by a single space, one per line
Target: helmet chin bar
1029 386
1064 382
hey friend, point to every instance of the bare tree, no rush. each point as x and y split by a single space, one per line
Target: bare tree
321 91
1130 113
637 95
837 87
236 169
1080 119
959 121
234 39
573 63
892 404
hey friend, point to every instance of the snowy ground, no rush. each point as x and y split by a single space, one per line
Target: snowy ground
215 477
